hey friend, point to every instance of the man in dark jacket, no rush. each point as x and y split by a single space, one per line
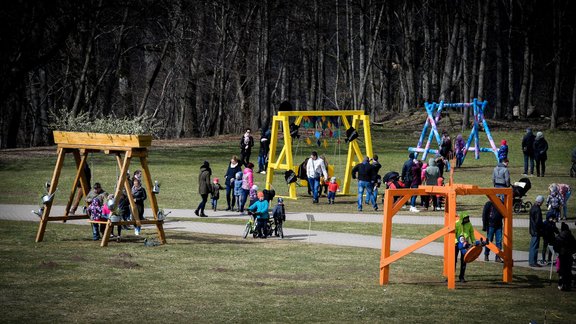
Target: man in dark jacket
528 150
264 150
540 153
246 143
565 245
406 175
204 187
363 172
534 228
493 219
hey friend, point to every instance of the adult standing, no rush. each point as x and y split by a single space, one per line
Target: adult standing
416 181
204 188
264 150
540 154
493 219
233 168
432 174
565 245
247 183
139 195
528 151
315 168
534 229
246 143
406 175
446 148
376 181
363 172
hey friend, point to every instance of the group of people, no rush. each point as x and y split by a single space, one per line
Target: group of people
562 242
101 205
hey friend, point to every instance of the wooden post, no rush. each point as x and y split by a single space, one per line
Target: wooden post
53 186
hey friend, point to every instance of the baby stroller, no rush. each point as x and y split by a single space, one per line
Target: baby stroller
519 191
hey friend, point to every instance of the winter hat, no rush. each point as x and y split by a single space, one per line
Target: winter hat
250 165
503 142
206 164
216 180
254 187
280 200
411 155
239 175
539 199
539 135
333 179
260 194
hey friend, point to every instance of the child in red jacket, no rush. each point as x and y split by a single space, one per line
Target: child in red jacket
332 189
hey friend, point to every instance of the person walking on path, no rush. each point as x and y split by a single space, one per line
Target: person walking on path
493 220
233 168
540 154
315 169
528 151
204 188
246 143
363 172
534 229
464 238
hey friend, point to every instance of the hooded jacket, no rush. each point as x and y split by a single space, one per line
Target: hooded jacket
204 183
432 173
528 143
501 176
466 230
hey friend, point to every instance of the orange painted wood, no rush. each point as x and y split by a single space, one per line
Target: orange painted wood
450 192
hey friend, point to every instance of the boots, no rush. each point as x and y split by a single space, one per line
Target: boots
498 259
486 259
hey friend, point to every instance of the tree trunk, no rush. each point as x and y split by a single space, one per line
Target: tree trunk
523 102
482 68
511 96
499 64
450 56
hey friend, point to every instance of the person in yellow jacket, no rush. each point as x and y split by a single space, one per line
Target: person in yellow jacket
464 239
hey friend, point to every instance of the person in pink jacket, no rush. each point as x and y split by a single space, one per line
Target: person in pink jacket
247 183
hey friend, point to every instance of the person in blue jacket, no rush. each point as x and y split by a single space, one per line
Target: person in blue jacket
260 210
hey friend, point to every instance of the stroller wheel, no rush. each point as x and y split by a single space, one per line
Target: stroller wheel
573 170
527 206
517 207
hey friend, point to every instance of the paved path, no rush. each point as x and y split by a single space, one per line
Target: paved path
23 213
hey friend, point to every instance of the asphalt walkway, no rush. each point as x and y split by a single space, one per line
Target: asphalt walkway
23 213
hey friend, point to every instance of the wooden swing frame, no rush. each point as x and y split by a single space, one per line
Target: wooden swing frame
124 148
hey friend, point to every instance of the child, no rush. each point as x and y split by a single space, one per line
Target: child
253 194
503 151
216 187
333 187
440 198
95 212
238 192
554 202
279 214
260 210
139 194
423 198
107 212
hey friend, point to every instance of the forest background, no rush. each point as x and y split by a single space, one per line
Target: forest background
206 68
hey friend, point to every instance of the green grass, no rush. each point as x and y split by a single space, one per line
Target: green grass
215 279
177 170
521 237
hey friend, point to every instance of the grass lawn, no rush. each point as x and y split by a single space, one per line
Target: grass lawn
215 279
176 167
404 231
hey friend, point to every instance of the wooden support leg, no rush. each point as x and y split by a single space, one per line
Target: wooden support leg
386 238
53 186
106 235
